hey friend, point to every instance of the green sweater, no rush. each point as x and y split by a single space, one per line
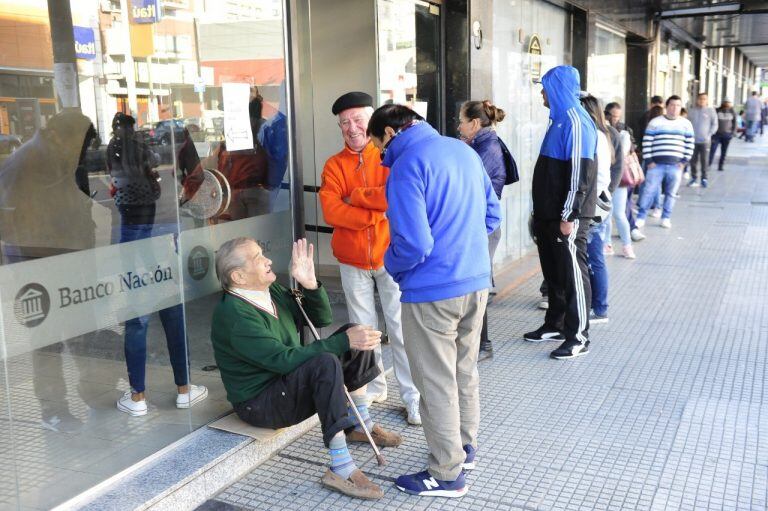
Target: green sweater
253 347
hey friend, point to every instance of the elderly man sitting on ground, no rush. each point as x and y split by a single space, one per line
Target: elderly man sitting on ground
271 379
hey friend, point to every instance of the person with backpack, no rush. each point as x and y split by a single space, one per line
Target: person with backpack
131 164
477 127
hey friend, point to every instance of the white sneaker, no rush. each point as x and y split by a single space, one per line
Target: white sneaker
414 417
196 394
380 398
655 213
640 223
636 235
665 223
131 407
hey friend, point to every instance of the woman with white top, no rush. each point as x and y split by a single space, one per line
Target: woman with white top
598 234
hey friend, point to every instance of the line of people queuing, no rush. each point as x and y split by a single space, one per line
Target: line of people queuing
416 219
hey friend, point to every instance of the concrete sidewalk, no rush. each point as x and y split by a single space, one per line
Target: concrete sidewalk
668 411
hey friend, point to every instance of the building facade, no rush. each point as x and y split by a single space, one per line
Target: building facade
231 104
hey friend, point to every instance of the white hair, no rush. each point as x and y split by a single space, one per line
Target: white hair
368 111
229 258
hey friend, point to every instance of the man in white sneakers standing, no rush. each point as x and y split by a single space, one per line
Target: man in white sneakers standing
667 147
353 201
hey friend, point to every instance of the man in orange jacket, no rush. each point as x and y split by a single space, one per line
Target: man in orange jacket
354 203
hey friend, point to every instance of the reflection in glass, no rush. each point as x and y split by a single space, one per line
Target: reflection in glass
92 192
409 56
253 175
136 188
607 66
45 202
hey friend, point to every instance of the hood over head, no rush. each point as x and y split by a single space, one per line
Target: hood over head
45 213
562 84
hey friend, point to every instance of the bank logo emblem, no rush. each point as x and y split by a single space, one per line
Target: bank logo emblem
198 263
32 305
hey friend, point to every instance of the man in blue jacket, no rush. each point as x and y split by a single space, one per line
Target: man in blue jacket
564 196
441 209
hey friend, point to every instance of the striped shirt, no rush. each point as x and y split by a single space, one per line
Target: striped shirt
668 141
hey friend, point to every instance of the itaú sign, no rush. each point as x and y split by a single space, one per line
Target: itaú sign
85 43
145 11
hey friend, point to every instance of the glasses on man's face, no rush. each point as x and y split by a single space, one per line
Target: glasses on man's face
361 122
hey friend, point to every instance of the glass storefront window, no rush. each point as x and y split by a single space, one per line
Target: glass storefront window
409 56
135 138
607 65
526 122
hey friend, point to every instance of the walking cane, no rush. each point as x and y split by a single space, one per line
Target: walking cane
297 295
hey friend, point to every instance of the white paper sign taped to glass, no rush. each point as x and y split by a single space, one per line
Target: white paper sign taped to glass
237 123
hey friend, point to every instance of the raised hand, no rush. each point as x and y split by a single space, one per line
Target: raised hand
303 264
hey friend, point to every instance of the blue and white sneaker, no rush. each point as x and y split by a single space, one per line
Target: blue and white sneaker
469 461
425 485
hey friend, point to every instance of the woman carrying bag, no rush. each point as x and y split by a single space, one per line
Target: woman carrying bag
477 127
632 175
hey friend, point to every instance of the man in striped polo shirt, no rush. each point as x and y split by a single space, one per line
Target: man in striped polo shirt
667 146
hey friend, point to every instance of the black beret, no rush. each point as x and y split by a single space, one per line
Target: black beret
351 100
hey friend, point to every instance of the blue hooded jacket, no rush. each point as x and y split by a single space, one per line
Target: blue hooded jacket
441 208
564 179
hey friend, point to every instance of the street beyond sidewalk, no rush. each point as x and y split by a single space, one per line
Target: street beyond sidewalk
668 411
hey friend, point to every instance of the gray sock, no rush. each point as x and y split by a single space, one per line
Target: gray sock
342 463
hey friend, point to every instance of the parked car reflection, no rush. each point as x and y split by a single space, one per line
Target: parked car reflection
162 132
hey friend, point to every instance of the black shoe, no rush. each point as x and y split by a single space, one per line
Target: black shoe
720 169
544 333
570 349
486 350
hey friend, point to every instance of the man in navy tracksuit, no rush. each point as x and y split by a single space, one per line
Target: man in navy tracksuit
564 196
441 208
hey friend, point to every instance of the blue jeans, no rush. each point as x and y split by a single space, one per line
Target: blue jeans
665 174
630 215
657 199
172 319
137 223
751 131
598 273
619 213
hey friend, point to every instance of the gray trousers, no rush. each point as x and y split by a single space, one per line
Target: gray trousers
700 159
358 290
443 341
